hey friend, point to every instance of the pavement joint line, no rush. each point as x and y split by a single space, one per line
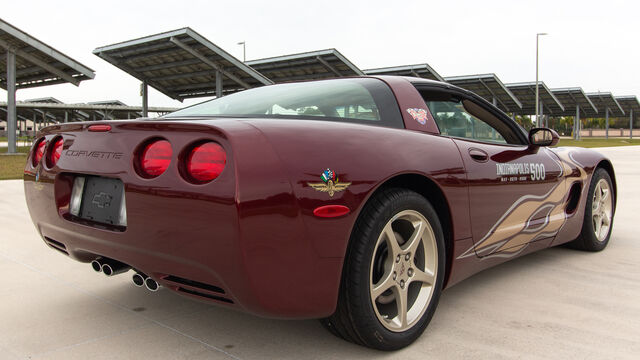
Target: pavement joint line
91 294
110 335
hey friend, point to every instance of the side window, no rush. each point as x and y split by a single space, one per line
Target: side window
453 119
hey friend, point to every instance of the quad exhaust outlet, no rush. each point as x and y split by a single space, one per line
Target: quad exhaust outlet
139 279
151 284
109 267
142 280
112 267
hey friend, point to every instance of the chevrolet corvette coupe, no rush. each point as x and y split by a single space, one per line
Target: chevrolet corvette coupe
355 201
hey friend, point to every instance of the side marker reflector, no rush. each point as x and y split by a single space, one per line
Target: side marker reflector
331 211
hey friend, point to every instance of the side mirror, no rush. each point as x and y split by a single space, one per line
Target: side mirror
543 137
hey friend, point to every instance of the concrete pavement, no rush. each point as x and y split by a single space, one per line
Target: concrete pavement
557 303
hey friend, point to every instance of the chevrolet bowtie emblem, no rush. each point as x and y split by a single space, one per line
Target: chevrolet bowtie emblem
102 200
330 183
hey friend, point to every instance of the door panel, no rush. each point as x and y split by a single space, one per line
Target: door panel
515 195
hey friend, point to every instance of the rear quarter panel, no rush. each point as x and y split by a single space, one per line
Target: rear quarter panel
277 220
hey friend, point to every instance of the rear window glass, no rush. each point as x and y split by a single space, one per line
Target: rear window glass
358 100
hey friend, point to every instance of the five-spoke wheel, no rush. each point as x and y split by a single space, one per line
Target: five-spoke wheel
403 270
393 272
598 213
602 209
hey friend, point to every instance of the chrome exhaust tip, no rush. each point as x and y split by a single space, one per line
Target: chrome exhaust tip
113 267
151 284
139 279
96 265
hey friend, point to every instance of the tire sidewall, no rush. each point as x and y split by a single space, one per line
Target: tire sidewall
589 238
374 332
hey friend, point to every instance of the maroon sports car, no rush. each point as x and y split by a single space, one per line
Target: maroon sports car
355 200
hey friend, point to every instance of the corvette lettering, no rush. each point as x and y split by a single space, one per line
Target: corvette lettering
94 154
510 171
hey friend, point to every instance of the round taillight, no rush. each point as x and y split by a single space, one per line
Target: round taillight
39 152
205 162
55 152
156 157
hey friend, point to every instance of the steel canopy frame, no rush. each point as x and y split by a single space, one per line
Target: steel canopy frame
30 63
606 101
490 88
181 64
49 110
100 106
416 70
313 65
113 114
631 105
576 100
526 93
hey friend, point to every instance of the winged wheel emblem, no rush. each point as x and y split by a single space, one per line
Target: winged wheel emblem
330 183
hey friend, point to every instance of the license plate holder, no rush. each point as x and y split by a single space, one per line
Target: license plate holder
102 199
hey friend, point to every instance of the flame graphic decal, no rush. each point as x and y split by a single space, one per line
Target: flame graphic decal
519 225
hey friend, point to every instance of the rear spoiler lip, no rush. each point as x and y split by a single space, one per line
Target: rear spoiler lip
144 124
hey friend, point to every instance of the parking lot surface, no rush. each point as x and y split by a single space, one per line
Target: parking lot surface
557 303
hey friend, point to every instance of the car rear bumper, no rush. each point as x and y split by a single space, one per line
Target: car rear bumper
198 256
202 241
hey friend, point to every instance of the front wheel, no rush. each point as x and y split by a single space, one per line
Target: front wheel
598 214
393 273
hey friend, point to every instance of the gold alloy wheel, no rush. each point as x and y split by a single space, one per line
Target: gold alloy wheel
602 210
403 270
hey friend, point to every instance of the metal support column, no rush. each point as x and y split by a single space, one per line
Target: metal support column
218 83
493 131
631 124
11 102
606 117
35 121
576 124
145 98
541 116
66 116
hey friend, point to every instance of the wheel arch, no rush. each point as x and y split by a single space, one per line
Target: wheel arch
428 188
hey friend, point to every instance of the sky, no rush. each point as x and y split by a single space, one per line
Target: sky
590 44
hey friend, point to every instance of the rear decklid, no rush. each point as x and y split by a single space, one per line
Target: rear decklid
155 206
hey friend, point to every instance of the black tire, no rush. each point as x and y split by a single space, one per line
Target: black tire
587 240
355 319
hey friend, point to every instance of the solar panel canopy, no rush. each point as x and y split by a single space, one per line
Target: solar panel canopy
489 87
526 93
182 64
605 100
313 65
630 105
56 111
36 63
572 97
416 70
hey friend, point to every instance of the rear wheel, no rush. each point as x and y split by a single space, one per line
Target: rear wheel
598 214
393 273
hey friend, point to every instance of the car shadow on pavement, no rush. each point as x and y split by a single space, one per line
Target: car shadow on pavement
242 334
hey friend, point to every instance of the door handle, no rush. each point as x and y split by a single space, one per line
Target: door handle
478 155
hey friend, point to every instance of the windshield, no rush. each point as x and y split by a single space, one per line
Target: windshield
359 100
